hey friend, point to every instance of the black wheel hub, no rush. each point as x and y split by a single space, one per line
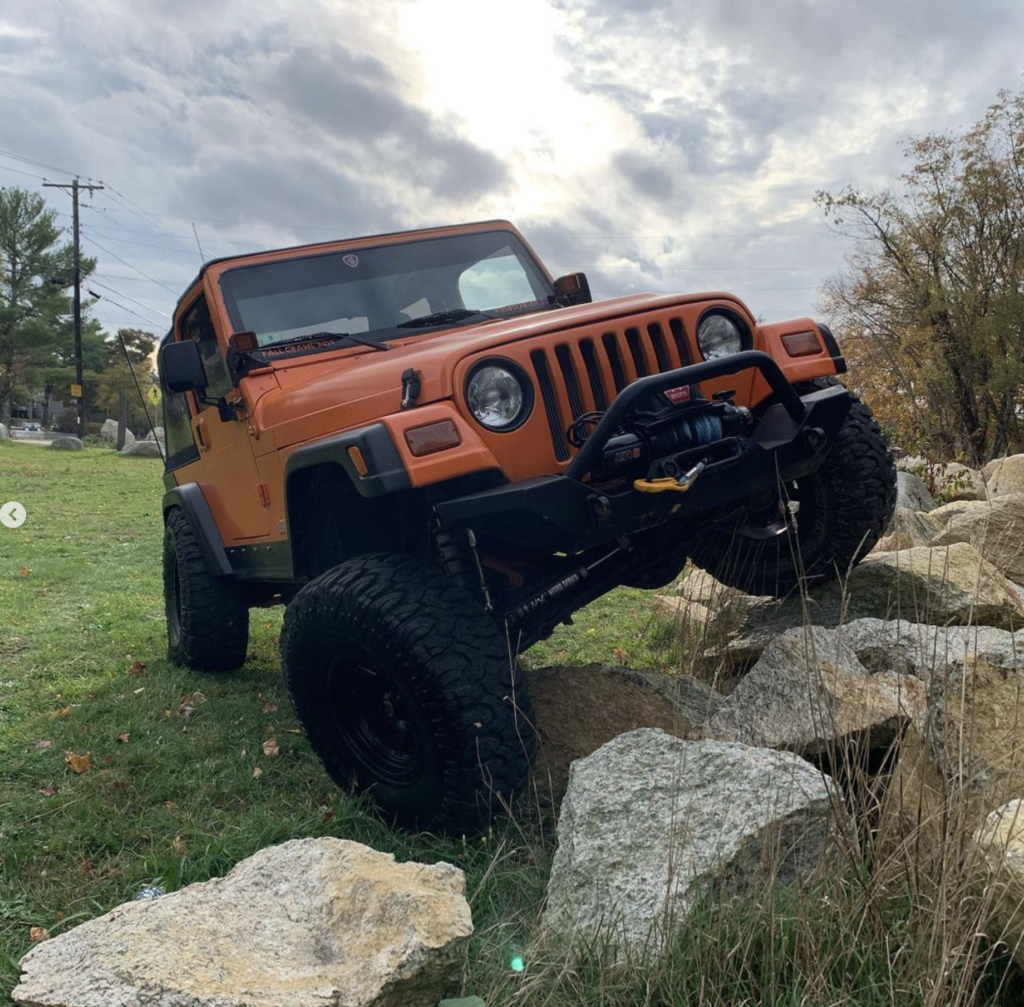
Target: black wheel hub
377 723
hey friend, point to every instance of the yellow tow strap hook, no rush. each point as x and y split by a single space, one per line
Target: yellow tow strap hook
669 483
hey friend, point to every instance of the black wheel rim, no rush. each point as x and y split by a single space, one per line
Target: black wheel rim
377 722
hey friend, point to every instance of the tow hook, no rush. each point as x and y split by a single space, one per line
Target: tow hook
669 483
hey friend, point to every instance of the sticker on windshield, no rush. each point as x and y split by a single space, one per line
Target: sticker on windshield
350 260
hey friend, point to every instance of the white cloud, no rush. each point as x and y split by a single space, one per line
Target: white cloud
656 144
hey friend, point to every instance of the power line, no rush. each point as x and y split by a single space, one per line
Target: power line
124 262
43 164
127 297
110 300
27 174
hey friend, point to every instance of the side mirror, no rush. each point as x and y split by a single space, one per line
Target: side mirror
572 288
181 367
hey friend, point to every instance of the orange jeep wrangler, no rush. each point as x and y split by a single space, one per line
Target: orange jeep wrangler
434 453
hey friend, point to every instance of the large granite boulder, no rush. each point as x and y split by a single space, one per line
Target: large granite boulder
577 710
1004 477
109 433
309 923
809 693
155 434
908 529
954 481
995 528
142 449
651 822
5 434
65 443
964 756
912 492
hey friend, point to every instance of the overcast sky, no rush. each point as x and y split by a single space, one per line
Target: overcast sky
655 144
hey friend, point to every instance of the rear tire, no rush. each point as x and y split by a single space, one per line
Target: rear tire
407 690
207 616
844 508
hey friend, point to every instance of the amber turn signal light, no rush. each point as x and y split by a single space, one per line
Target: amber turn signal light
801 344
433 437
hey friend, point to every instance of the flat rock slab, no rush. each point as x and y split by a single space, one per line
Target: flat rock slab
308 923
651 822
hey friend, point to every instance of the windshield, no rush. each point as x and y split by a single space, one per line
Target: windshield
386 289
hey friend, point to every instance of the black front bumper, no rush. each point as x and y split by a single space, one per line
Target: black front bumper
568 513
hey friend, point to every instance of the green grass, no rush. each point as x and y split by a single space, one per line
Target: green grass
180 801
80 601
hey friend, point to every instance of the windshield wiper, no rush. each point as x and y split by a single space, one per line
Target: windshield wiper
443 317
334 337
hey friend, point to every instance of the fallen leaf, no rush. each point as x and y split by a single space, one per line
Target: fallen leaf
138 692
137 668
78 764
270 707
179 845
621 656
189 703
270 748
42 744
87 867
37 934
48 791
326 812
25 571
243 753
293 730
169 805
62 712
257 773
123 738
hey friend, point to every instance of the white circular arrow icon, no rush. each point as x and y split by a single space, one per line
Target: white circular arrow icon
12 514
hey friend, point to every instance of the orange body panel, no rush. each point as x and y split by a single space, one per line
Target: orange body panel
299 400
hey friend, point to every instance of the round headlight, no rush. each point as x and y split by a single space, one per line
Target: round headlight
496 398
718 335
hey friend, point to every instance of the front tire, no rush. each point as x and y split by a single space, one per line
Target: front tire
843 509
207 616
407 690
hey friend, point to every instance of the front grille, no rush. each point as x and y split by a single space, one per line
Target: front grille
586 374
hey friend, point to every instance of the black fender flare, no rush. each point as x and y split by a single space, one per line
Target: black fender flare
385 471
189 498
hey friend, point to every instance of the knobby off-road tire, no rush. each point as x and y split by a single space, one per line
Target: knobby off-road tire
844 508
406 689
207 616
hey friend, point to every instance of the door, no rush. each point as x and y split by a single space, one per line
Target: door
226 468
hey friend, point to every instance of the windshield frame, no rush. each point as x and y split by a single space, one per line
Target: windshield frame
535 273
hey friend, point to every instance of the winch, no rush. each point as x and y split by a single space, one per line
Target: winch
662 433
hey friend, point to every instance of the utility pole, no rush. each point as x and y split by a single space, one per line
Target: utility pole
75 187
